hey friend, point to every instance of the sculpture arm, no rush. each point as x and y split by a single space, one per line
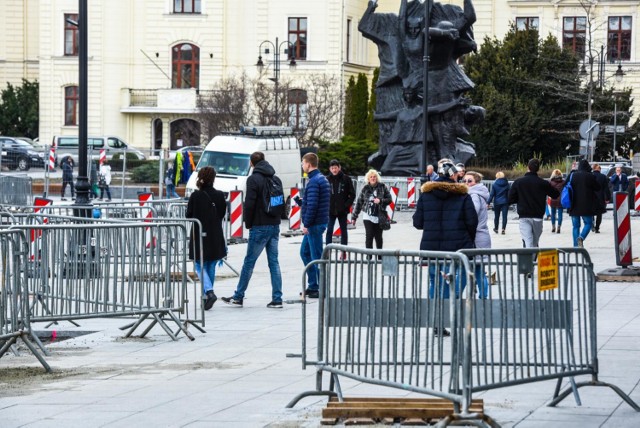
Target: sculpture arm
402 19
386 115
441 108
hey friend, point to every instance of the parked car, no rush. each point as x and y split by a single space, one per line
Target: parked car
20 155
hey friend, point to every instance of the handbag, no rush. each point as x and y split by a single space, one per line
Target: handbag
567 194
383 220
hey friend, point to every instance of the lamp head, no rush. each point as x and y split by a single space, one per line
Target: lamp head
260 64
619 73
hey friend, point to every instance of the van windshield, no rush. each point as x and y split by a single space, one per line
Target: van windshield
226 163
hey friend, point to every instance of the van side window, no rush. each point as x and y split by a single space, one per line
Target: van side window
114 143
68 142
96 142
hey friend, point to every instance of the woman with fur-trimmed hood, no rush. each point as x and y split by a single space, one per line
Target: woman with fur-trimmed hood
445 213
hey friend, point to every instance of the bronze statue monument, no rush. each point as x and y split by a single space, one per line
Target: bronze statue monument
399 90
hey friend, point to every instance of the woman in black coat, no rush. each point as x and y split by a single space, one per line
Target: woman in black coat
584 202
209 207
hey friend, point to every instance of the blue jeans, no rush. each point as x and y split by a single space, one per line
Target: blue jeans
497 210
588 224
482 282
171 191
555 211
209 275
261 237
310 250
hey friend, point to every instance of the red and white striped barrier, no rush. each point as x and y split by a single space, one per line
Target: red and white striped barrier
39 203
103 156
622 224
294 214
147 213
52 158
411 192
636 200
337 232
237 230
391 208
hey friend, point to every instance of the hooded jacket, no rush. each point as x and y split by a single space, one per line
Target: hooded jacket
480 197
585 186
342 193
499 192
254 209
530 193
446 216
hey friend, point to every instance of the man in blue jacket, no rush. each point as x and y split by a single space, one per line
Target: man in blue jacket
315 216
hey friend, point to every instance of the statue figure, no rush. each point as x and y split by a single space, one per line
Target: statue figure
402 74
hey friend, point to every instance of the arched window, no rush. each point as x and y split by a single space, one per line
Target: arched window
185 66
71 106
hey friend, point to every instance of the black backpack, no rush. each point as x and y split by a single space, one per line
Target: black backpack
273 196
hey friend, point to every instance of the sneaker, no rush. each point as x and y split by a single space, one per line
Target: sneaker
276 305
63 199
495 230
596 231
580 242
109 200
312 294
233 302
445 332
209 300
504 231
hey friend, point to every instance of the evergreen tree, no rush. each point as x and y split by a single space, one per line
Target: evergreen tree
19 110
373 132
360 107
349 117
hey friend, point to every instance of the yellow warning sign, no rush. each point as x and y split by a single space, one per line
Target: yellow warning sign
547 270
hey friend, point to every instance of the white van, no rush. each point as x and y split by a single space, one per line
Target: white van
67 145
229 155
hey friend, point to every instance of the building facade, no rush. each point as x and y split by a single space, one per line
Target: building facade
150 60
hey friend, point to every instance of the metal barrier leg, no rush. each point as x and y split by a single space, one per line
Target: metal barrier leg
317 392
595 382
230 267
183 327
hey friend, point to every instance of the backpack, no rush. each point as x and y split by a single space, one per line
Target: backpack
567 194
273 197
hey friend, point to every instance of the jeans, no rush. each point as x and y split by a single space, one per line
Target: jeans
310 250
557 211
482 282
497 210
261 237
171 191
209 275
103 189
64 187
342 221
372 231
588 224
530 231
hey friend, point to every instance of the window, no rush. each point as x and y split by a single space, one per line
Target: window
527 23
298 38
70 34
348 53
619 38
574 34
186 6
71 106
297 102
185 66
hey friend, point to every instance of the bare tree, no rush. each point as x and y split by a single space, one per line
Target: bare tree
226 106
324 102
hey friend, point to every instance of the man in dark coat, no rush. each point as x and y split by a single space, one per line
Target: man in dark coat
208 206
619 180
603 196
447 218
530 194
264 233
342 196
67 176
584 203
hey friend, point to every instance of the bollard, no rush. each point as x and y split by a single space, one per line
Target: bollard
622 225
391 208
411 192
294 213
237 231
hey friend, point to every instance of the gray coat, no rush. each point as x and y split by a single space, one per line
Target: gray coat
480 197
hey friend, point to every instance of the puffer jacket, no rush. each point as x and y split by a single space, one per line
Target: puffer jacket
480 197
317 195
342 193
368 191
446 216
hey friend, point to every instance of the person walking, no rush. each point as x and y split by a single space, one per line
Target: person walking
499 196
603 196
584 201
447 217
264 233
557 182
104 180
373 198
170 181
93 180
480 197
342 196
207 205
530 194
67 177
619 180
315 217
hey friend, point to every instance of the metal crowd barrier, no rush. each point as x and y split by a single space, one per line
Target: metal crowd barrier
382 315
15 320
107 270
15 190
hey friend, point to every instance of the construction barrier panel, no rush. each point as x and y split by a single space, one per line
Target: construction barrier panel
622 227
295 219
15 323
382 318
15 191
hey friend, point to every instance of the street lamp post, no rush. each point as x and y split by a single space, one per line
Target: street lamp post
82 185
277 46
